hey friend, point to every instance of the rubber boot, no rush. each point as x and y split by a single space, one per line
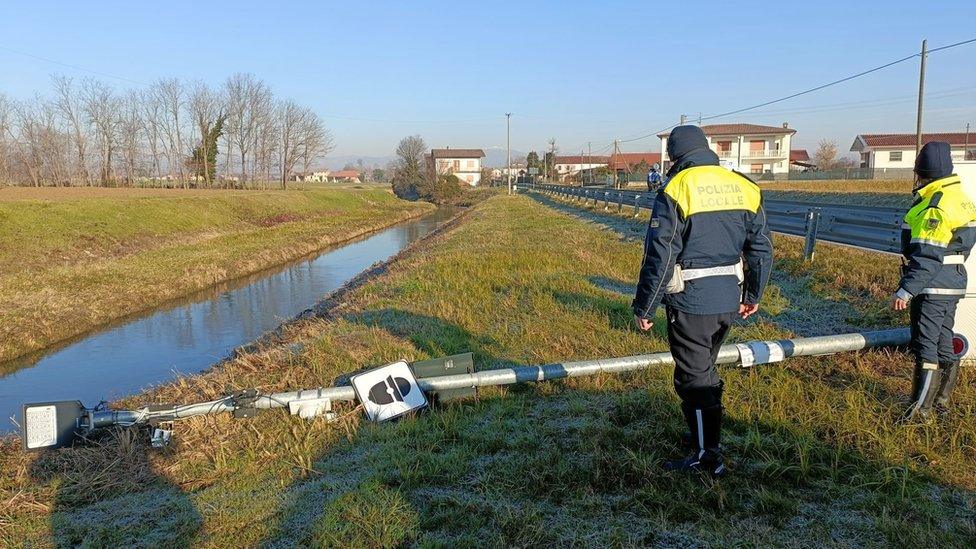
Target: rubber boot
925 385
705 426
950 375
688 442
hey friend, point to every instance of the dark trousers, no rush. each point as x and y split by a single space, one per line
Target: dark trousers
695 341
931 328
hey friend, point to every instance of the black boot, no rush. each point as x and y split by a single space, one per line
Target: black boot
950 374
688 442
925 384
705 425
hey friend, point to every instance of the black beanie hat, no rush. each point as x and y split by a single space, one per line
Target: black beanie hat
934 160
685 139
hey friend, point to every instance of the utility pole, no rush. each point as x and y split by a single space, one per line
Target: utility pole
552 162
699 119
589 158
965 150
613 169
508 131
921 94
683 119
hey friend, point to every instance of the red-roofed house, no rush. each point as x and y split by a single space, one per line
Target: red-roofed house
626 162
750 148
896 151
568 166
800 160
344 176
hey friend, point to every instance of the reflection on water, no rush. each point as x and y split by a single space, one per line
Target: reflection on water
189 336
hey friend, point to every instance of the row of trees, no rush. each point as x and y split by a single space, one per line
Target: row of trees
169 133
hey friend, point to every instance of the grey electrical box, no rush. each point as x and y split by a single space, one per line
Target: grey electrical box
446 366
48 425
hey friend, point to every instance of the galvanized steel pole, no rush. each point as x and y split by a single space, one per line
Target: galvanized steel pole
811 346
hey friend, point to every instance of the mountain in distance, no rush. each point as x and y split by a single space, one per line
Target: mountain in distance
495 157
339 162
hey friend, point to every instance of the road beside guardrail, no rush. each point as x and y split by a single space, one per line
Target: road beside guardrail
875 228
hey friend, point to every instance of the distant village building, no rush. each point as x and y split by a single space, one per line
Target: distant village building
800 160
463 163
312 177
518 169
326 176
752 148
344 176
567 167
894 153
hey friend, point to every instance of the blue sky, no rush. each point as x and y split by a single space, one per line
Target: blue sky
578 72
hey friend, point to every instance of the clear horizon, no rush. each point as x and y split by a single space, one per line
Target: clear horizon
579 73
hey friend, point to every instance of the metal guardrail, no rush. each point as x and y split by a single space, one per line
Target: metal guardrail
875 228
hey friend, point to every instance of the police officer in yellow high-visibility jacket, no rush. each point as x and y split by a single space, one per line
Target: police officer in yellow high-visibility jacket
937 237
706 222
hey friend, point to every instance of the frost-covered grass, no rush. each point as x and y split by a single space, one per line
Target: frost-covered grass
817 455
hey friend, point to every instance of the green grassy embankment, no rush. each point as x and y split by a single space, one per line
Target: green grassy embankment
817 455
74 259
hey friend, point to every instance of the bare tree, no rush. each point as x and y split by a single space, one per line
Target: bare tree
171 96
316 140
152 124
207 109
410 174
131 128
249 106
55 146
291 118
28 144
89 133
6 137
826 155
100 105
70 107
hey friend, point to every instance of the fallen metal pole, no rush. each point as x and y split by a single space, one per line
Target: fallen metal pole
731 353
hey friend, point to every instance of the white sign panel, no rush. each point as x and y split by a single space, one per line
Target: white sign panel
389 391
760 352
41 424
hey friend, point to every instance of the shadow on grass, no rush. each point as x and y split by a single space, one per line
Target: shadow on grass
627 227
553 464
109 495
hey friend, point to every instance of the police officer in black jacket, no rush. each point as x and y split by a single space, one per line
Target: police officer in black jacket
936 238
707 256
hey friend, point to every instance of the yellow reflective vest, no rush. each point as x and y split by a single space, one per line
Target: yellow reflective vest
937 236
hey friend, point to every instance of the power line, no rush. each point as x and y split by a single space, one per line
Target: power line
70 66
807 91
964 42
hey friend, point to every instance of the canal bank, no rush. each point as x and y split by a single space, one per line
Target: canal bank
69 266
187 336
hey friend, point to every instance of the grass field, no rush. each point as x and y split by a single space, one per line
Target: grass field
817 456
844 186
74 259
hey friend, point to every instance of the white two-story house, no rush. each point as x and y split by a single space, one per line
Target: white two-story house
568 167
464 163
749 148
894 153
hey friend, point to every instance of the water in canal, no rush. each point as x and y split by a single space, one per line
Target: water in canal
188 336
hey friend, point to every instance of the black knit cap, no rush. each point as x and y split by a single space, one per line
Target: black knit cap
685 139
934 160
